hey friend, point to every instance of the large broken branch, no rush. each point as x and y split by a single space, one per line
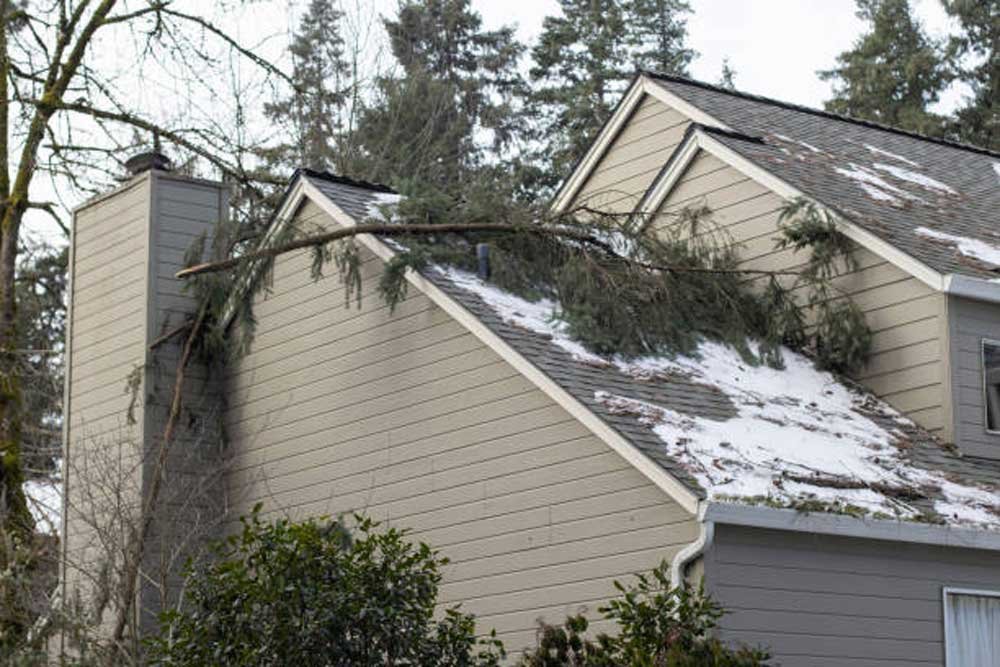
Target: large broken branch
417 229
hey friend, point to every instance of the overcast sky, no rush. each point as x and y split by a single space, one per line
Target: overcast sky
775 46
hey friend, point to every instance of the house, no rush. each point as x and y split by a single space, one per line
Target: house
838 525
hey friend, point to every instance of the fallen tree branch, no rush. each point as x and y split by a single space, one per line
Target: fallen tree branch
389 230
170 334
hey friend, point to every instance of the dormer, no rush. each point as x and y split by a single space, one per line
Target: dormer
922 213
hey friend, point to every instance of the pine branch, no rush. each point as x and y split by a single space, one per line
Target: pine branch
389 230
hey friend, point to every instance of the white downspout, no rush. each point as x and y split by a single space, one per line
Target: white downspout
686 555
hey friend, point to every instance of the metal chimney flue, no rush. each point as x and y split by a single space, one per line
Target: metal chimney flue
147 161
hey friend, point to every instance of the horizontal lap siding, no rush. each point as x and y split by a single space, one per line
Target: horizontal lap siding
106 342
819 601
906 316
970 323
634 158
408 417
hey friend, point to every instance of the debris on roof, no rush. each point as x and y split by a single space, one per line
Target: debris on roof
800 437
973 248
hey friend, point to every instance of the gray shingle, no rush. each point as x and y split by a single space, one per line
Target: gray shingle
973 211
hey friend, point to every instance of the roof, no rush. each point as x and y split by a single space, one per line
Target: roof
666 409
930 198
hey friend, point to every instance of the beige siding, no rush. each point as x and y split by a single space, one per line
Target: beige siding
126 247
106 342
634 158
410 418
906 316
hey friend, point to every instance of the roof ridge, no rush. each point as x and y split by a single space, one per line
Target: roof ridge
342 180
820 112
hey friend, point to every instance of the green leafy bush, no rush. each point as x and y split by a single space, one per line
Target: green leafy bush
659 626
312 593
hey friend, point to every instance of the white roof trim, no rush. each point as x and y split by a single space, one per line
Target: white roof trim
758 516
665 183
978 289
653 471
643 85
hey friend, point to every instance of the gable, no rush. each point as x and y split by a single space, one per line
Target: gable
907 366
634 157
412 418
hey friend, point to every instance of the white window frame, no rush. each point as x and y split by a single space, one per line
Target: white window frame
945 592
986 407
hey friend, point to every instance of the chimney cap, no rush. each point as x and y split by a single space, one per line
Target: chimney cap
147 161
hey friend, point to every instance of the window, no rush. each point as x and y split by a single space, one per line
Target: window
991 384
971 628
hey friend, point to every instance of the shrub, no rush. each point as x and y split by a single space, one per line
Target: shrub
659 626
310 593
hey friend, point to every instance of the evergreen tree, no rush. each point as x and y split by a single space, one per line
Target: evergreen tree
976 54
893 73
313 113
450 108
584 61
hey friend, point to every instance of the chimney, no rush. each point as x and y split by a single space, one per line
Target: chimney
125 247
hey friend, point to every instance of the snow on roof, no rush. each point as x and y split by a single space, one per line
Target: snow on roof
973 248
801 438
874 185
996 168
923 180
879 151
380 202
45 503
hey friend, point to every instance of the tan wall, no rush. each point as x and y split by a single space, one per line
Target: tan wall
906 316
106 341
408 417
634 158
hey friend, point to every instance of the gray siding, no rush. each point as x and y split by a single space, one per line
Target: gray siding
823 601
906 316
410 418
969 323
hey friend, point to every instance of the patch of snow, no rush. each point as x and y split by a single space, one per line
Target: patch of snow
996 169
878 151
383 200
974 248
45 503
923 180
809 147
874 185
791 425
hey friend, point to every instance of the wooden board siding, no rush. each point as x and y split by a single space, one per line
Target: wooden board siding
634 158
408 417
969 323
126 247
906 316
105 342
823 601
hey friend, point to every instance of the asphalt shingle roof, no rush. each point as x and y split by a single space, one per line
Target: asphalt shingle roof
806 147
677 392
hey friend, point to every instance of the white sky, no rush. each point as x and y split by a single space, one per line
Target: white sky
775 46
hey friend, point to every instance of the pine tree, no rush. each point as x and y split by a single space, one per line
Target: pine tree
893 73
314 111
585 59
450 110
976 54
